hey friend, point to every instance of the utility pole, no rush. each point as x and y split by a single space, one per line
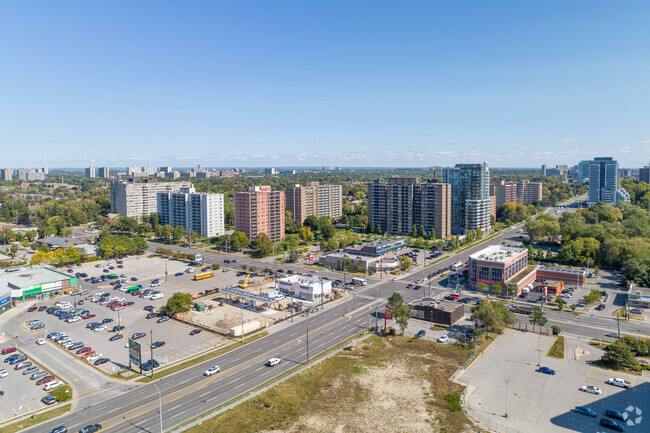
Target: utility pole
539 350
618 324
506 415
159 405
151 348
322 293
166 260
308 345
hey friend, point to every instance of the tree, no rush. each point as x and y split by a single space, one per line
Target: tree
238 240
293 256
619 356
178 233
31 235
560 303
573 307
327 230
178 303
306 234
312 222
154 219
291 241
495 289
537 317
262 245
512 290
402 314
332 245
192 237
482 287
13 250
394 301
493 314
405 263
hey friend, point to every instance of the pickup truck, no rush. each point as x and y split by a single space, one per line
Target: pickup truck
616 381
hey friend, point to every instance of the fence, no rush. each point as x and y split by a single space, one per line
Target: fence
527 327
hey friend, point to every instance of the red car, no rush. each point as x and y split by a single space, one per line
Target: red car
83 350
30 309
410 286
8 350
136 293
89 316
454 296
45 380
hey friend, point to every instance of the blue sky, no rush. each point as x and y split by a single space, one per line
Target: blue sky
306 83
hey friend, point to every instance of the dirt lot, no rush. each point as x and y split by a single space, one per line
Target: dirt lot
396 384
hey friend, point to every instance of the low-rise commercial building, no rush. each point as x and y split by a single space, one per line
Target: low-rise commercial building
442 312
369 263
379 248
304 287
638 297
35 282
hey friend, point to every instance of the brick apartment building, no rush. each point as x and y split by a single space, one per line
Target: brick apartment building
260 210
314 199
511 192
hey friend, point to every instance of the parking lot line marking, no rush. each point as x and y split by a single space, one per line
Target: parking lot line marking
76 380
3 417
28 409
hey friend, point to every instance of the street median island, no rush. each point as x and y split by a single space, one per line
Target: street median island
384 383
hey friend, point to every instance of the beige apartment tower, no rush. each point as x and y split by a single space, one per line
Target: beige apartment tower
314 199
260 210
137 199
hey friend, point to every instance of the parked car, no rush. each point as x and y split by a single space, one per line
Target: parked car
116 337
443 339
50 400
421 333
54 384
157 344
38 375
636 310
616 381
8 350
600 307
163 319
117 328
591 389
611 413
102 361
611 424
194 331
3 373
178 274
138 335
45 380
545 370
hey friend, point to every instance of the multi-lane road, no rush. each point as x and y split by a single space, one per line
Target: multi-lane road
188 393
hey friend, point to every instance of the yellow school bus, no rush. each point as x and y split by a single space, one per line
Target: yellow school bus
203 275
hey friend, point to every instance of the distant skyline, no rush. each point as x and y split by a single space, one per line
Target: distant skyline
351 84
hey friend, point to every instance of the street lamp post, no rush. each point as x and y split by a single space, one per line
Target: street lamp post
159 406
506 415
539 350
308 345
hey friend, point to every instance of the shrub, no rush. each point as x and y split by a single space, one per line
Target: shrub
452 402
62 393
556 330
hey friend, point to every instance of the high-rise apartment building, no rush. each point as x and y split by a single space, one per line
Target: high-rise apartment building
7 174
403 203
644 174
470 197
511 192
201 213
260 210
314 199
136 199
583 171
603 182
29 174
104 172
90 172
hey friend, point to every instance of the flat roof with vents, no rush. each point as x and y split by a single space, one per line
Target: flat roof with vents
497 254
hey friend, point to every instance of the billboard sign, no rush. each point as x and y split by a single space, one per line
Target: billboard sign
5 300
388 314
135 355
198 258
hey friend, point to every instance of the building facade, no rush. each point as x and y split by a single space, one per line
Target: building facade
510 192
137 199
201 213
6 174
90 172
644 174
470 197
104 172
403 203
314 199
260 210
603 182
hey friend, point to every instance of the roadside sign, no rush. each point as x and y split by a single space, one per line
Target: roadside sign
388 314
198 258
135 355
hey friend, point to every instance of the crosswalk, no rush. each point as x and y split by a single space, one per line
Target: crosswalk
370 298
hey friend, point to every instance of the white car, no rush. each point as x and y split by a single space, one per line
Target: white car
591 389
73 319
566 295
212 370
617 381
157 296
54 384
273 362
99 328
3 373
189 270
64 305
94 357
443 339
40 342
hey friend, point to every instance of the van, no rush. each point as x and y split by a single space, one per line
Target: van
273 362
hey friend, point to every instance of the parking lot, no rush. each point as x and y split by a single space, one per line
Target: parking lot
178 342
21 394
543 403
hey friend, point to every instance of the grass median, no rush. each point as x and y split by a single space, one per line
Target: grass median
557 349
41 417
406 377
199 359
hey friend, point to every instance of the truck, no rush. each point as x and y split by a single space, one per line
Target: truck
457 266
359 281
523 309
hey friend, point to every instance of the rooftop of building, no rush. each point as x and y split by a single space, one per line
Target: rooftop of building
521 274
497 253
447 306
302 279
641 293
384 242
564 270
551 283
32 275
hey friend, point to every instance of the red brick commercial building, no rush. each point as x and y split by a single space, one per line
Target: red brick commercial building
511 192
260 210
508 266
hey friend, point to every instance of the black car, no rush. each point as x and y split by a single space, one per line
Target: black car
117 328
149 308
194 331
138 335
42 308
49 400
107 320
60 429
600 307
157 344
614 414
421 333
134 279
93 428
101 361
116 337
151 315
128 303
611 424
